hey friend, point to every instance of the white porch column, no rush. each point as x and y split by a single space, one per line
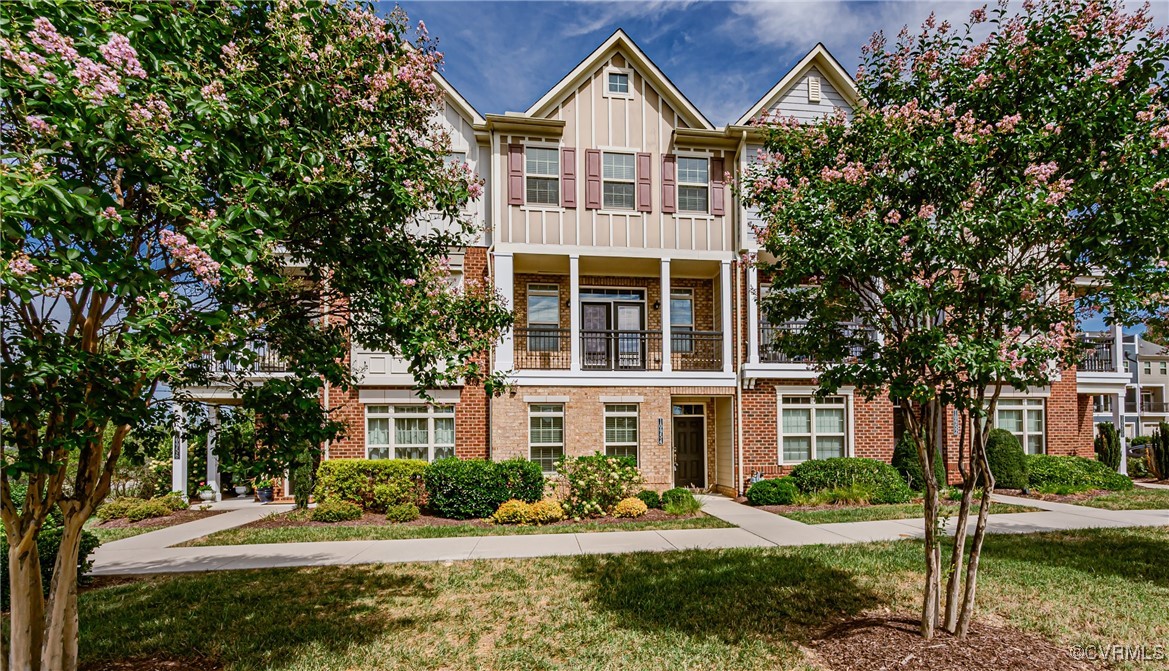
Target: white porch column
212 460
574 311
1118 422
752 314
724 275
505 285
1118 348
178 473
667 335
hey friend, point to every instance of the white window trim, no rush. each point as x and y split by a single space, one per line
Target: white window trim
636 415
628 95
849 425
562 414
619 210
559 205
528 308
679 184
430 415
1020 403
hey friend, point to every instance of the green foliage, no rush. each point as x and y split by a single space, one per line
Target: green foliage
1072 474
630 507
1107 444
1157 452
116 508
302 484
472 488
908 464
855 494
596 483
372 484
146 509
775 492
136 510
402 512
1007 460
48 545
515 511
336 511
880 480
680 501
174 501
675 495
650 498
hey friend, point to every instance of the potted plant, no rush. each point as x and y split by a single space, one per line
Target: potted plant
264 489
206 493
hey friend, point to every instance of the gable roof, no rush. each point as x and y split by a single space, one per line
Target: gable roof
456 99
620 41
828 66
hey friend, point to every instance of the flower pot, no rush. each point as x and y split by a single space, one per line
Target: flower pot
207 495
265 494
240 490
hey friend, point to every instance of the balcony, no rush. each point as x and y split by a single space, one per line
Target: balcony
266 362
1155 407
618 350
769 333
1099 353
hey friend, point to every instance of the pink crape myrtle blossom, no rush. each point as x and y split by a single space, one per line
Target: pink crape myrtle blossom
200 263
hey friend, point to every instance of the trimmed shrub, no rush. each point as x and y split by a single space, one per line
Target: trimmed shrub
372 484
650 498
881 481
597 483
1070 474
402 512
1007 461
117 508
777 492
302 485
676 495
1107 444
1157 452
472 488
336 511
146 510
174 501
680 501
521 512
630 507
908 464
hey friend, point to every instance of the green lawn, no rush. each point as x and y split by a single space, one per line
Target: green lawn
1136 499
111 534
733 609
893 511
254 535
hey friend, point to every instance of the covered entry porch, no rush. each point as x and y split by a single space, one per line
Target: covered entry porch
702 440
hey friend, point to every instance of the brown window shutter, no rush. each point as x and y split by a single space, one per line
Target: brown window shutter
593 179
718 205
568 177
645 183
669 183
515 174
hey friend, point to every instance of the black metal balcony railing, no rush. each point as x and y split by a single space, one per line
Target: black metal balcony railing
266 360
621 350
542 349
1098 356
696 350
1131 407
1156 407
769 333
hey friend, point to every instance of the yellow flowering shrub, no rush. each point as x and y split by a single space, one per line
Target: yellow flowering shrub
519 512
630 507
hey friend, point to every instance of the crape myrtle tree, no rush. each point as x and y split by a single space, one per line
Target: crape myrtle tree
931 243
179 179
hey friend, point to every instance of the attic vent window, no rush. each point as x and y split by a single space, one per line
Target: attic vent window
813 89
618 83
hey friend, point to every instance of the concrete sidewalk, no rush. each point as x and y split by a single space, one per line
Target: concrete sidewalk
149 553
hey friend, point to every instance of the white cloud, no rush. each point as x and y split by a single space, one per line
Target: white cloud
594 16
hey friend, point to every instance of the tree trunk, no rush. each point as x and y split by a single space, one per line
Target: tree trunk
929 605
964 619
27 597
59 651
953 584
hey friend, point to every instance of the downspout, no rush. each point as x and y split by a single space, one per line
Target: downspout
489 213
738 452
325 399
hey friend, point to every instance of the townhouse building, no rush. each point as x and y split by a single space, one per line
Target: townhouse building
1145 404
610 228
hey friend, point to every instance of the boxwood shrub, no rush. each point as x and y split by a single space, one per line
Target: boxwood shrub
883 483
472 488
908 464
650 498
372 484
777 492
336 511
1006 458
1067 474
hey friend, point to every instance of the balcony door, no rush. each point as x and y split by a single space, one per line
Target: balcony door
612 332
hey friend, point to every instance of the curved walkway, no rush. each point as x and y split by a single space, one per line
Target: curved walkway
151 552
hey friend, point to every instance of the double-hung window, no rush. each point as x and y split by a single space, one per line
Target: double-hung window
682 320
542 168
1102 403
812 428
543 318
414 431
455 158
621 430
1023 417
618 177
546 434
1164 368
693 185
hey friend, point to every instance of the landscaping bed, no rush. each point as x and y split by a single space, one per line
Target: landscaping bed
119 528
298 527
1133 499
779 608
830 514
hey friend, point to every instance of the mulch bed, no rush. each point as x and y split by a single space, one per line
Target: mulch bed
177 517
300 519
1056 498
883 642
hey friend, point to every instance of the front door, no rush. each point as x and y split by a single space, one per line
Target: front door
688 452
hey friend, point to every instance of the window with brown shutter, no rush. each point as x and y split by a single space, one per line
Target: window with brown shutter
669 183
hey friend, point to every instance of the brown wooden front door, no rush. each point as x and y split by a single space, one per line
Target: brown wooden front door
688 452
